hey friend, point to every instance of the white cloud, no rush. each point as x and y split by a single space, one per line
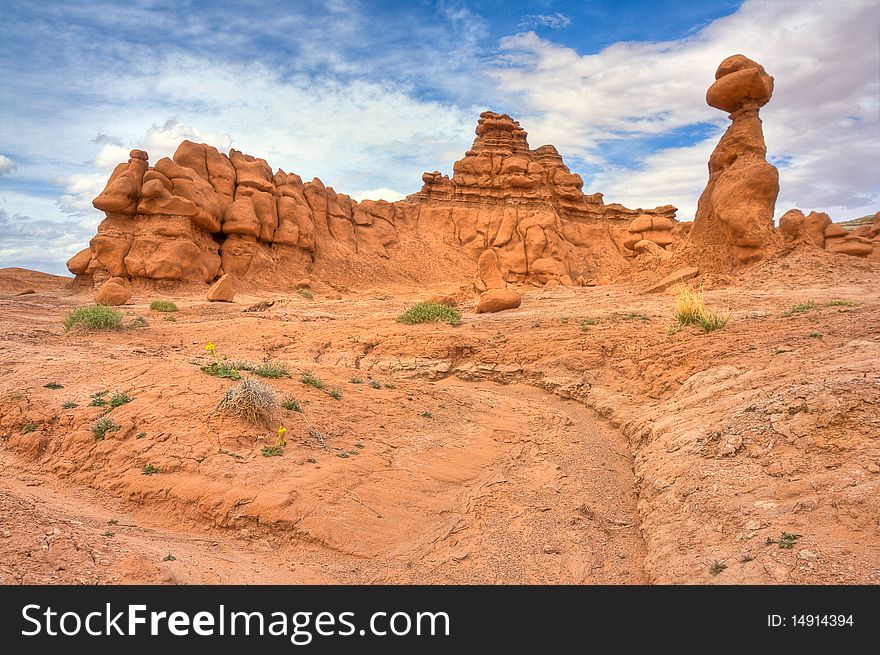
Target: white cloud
554 21
822 121
6 165
382 193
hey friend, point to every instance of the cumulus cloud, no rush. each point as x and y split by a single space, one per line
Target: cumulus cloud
6 165
822 121
26 241
383 193
554 21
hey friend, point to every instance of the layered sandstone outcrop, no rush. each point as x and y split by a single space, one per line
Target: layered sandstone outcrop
734 220
508 214
816 229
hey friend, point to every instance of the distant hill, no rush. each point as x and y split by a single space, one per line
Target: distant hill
14 279
868 219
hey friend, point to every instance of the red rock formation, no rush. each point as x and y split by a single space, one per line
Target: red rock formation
734 219
519 212
818 230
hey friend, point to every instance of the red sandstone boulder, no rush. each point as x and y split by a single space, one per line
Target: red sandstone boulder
223 290
496 300
111 293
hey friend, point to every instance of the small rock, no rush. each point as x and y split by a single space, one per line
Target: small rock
223 290
305 283
807 555
25 292
678 276
873 468
442 299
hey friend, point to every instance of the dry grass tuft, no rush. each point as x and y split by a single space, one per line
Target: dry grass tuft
250 400
690 309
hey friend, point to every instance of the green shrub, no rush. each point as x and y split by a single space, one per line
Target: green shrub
221 370
120 399
98 399
28 427
94 317
102 426
137 322
587 322
841 303
163 306
69 405
430 312
308 378
292 405
149 469
800 308
272 451
270 369
53 385
356 380
375 384
169 317
306 293
335 393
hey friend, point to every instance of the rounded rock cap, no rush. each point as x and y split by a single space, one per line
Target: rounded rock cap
739 81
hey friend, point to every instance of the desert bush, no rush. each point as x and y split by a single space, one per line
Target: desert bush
219 368
841 303
292 405
149 469
690 309
98 399
119 399
102 426
250 400
308 378
94 317
375 384
137 322
430 312
270 369
356 380
800 308
163 306
588 322
306 293
69 405
169 317
335 393
28 427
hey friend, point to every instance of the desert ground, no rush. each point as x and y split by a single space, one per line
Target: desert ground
580 438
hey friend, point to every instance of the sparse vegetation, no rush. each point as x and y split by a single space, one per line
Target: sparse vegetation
390 385
536 324
292 405
140 435
426 414
306 293
272 451
627 316
430 312
588 322
169 558
102 426
745 559
815 335
149 469
137 322
163 306
800 308
28 427
170 317
219 368
93 317
312 460
308 378
119 399
690 309
267 369
375 384
359 444
53 385
69 404
786 540
343 454
841 303
108 534
335 393
98 399
717 567
356 380
250 400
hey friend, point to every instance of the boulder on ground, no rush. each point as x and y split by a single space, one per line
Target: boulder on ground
112 294
676 277
443 299
496 300
223 290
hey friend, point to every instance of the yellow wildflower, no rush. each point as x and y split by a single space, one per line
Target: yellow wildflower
281 440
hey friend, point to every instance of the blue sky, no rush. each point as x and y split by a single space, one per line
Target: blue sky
368 95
